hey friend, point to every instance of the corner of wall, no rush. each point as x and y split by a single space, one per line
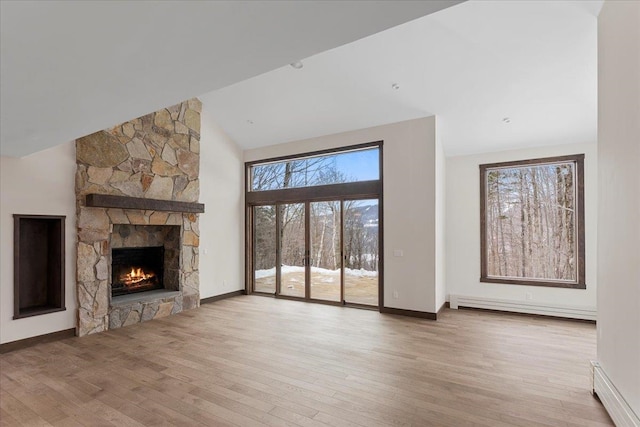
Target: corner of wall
222 225
619 201
440 206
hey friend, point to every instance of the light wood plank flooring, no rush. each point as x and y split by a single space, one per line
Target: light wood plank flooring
254 361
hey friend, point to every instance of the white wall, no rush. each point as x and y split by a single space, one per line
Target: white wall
409 203
619 204
222 224
40 184
463 229
441 191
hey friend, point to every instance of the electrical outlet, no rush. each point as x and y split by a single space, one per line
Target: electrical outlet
528 296
395 294
224 283
398 252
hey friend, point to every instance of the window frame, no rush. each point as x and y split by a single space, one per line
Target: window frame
580 283
375 145
356 190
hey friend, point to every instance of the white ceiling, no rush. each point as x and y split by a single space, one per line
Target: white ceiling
472 65
69 68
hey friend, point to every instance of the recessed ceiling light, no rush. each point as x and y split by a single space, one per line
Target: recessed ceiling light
297 65
395 86
506 120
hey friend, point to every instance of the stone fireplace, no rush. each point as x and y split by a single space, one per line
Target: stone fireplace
137 186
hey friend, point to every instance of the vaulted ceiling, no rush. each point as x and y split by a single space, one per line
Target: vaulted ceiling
498 74
72 68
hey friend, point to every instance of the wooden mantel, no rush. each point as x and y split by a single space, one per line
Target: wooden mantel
123 202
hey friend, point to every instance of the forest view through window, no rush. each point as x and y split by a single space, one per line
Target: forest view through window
314 231
532 222
333 168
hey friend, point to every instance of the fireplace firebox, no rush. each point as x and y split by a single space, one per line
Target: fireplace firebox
136 270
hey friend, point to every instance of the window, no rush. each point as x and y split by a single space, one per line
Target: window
314 226
356 165
532 222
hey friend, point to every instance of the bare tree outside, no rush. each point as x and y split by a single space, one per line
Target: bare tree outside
292 174
264 243
361 235
362 253
325 255
531 222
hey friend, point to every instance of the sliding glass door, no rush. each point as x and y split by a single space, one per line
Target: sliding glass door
325 247
264 248
361 252
326 251
292 249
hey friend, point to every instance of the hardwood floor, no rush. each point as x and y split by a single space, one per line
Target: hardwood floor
253 361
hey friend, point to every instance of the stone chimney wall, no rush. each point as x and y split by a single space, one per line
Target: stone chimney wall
156 156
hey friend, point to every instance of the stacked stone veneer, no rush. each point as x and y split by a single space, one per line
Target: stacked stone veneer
156 157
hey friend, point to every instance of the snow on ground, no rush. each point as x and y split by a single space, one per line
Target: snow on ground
259 274
360 273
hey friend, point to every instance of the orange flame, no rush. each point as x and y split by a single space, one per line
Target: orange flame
136 275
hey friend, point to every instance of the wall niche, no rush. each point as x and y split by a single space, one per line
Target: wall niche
38 264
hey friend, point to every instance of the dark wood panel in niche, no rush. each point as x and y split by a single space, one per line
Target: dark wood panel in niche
38 264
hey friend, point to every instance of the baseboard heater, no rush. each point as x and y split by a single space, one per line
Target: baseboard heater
618 409
584 313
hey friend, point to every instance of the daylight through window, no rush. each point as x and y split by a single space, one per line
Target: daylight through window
532 222
314 226
332 168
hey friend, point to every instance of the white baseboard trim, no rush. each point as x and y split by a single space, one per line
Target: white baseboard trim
618 409
585 313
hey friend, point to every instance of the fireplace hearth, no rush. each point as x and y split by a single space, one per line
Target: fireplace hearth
136 270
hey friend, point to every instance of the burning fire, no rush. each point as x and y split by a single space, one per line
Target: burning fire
136 276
